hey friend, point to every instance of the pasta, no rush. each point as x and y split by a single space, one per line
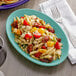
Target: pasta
7 1
37 38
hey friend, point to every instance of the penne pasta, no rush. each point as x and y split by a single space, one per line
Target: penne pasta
37 38
7 1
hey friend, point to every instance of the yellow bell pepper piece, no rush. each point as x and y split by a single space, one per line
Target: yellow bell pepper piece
18 32
33 29
48 26
12 29
41 30
50 43
42 50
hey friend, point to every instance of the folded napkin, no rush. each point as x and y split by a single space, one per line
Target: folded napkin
1 73
68 15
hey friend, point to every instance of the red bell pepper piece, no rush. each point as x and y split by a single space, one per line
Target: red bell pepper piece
22 17
28 36
43 47
25 23
37 54
37 35
41 27
57 46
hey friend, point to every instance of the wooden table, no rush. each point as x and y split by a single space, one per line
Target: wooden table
17 65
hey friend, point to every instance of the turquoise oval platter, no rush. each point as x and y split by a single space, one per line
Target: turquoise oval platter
59 32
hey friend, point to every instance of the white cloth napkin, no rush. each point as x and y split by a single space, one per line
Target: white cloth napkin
68 15
1 73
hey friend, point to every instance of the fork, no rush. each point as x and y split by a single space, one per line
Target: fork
58 18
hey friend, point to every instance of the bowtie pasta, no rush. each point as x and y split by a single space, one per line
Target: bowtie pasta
37 38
